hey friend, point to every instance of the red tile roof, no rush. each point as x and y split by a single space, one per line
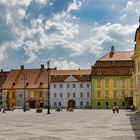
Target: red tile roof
117 56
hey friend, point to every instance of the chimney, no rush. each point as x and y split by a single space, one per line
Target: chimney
42 66
111 52
1 70
22 67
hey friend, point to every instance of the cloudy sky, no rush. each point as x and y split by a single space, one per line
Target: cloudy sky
71 33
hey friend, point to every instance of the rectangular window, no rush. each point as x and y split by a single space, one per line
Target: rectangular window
55 95
81 85
68 94
123 103
115 94
81 103
131 83
73 85
107 83
55 104
81 94
40 94
88 94
99 94
99 104
98 83
123 93
54 85
115 83
107 94
87 103
59 103
68 85
115 103
107 103
131 93
73 94
61 86
123 83
88 85
61 94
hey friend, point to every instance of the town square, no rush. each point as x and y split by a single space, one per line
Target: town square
70 70
64 125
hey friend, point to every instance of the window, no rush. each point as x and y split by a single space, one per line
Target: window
131 93
73 94
99 94
123 93
107 94
61 86
81 85
123 83
131 83
88 85
115 103
54 85
55 104
59 103
68 85
99 72
115 83
73 85
87 94
99 83
107 103
55 95
20 95
61 94
81 94
99 104
123 103
115 94
107 83
87 103
81 103
68 94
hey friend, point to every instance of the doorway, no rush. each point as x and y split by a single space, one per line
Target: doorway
71 104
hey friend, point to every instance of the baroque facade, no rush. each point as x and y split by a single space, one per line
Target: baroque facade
111 79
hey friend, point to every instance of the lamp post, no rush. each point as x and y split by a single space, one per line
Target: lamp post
24 78
48 95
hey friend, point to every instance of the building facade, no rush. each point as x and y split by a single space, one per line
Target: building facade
136 75
25 87
111 79
70 89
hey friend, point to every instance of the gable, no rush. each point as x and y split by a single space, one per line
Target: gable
71 79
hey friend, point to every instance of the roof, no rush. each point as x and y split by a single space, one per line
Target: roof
117 56
70 72
33 78
62 75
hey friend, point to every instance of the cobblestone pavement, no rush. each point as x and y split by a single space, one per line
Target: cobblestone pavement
77 125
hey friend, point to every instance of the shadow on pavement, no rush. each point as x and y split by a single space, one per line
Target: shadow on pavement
135 123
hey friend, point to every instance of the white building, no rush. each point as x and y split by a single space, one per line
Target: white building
70 88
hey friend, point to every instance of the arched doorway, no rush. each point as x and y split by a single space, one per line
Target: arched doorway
71 104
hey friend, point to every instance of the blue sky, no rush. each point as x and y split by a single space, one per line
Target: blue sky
71 33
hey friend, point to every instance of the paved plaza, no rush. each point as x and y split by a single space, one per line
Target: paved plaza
77 125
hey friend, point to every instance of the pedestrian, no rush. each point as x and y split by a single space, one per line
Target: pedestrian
113 109
117 109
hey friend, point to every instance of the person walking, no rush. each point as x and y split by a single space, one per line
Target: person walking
117 109
113 110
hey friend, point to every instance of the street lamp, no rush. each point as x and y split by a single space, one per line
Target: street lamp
48 95
24 78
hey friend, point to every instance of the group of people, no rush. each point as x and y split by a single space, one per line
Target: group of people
115 109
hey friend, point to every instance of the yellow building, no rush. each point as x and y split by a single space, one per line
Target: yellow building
111 78
136 75
25 87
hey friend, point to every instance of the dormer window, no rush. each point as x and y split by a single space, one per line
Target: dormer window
14 84
99 72
41 83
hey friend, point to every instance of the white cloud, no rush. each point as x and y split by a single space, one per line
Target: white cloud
64 64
